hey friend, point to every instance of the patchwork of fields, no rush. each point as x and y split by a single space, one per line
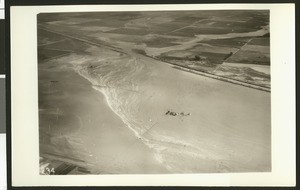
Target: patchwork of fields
199 40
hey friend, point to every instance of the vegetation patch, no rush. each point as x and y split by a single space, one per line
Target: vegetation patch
228 42
262 41
192 31
130 31
159 42
250 57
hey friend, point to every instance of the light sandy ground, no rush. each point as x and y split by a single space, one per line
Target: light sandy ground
261 68
191 43
229 128
94 134
183 42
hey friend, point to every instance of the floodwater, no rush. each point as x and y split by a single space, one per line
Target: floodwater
223 128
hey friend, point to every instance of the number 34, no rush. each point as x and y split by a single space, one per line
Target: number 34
48 171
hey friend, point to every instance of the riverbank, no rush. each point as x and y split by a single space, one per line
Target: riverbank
138 91
76 123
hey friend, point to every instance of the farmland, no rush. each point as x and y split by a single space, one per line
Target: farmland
203 41
149 92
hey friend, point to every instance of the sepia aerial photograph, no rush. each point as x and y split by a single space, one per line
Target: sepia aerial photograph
154 92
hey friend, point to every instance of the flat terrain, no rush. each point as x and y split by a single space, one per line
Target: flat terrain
112 99
200 41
